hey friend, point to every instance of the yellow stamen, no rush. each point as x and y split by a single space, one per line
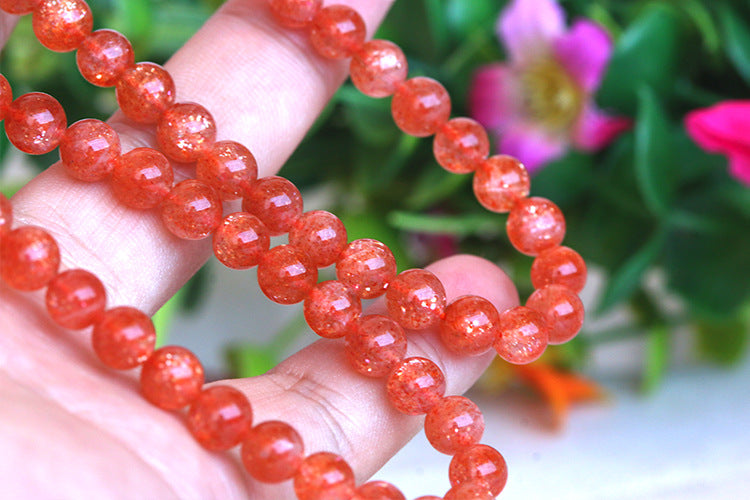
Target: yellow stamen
551 97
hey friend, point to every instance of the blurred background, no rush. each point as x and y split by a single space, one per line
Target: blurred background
636 121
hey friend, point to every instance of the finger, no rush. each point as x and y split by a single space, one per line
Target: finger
7 23
264 86
336 409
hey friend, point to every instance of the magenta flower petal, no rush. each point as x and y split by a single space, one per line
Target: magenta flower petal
596 129
494 96
723 128
528 27
532 146
739 166
584 52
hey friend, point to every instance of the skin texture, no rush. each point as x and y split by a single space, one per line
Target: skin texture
72 428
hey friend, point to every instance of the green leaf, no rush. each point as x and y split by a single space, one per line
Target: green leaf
134 17
654 153
627 279
466 18
370 119
250 360
723 342
657 357
163 318
647 53
565 180
482 224
736 35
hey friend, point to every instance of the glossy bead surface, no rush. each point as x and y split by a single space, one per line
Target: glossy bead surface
29 258
320 235
534 225
559 266
470 325
562 309
429 497
172 377
62 25
479 464
18 7
89 150
421 106
240 241
366 266
337 31
275 201
378 490
460 145
6 96
378 68
144 92
453 424
103 56
295 13
375 345
35 123
499 182
123 338
6 215
142 178
272 452
331 309
75 299
285 275
415 386
469 491
415 299
523 335
228 167
185 131
324 476
192 210
220 417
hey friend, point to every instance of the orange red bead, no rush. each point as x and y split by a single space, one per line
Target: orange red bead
103 56
337 31
415 299
524 335
332 309
62 25
35 123
378 68
460 145
366 266
142 178
453 424
415 386
272 452
240 240
75 299
499 182
324 476
6 215
562 309
375 345
559 266
295 13
144 91
185 131
535 225
29 258
228 167
378 490
470 325
220 417
275 201
172 378
320 235
286 275
420 106
192 210
89 150
123 338
479 464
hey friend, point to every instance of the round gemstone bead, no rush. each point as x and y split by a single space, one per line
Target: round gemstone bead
320 235
499 182
324 476
29 258
524 335
6 96
172 377
142 178
559 266
331 309
295 13
415 299
480 464
421 106
75 299
469 327
240 241
366 266
6 215
185 131
469 491
103 56
123 338
275 201
89 150
144 92
285 275
429 497
562 309
460 145
378 68
35 123
453 424
220 417
415 386
192 210
378 490
534 225
337 31
272 452
62 25
228 167
19 7
375 345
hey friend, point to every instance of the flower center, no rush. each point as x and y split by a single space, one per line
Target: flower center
551 96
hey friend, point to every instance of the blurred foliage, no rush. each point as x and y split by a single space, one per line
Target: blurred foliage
651 201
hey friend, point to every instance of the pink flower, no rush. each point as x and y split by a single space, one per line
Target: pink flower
541 102
724 128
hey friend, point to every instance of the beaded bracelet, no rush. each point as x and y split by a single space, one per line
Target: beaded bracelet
401 290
